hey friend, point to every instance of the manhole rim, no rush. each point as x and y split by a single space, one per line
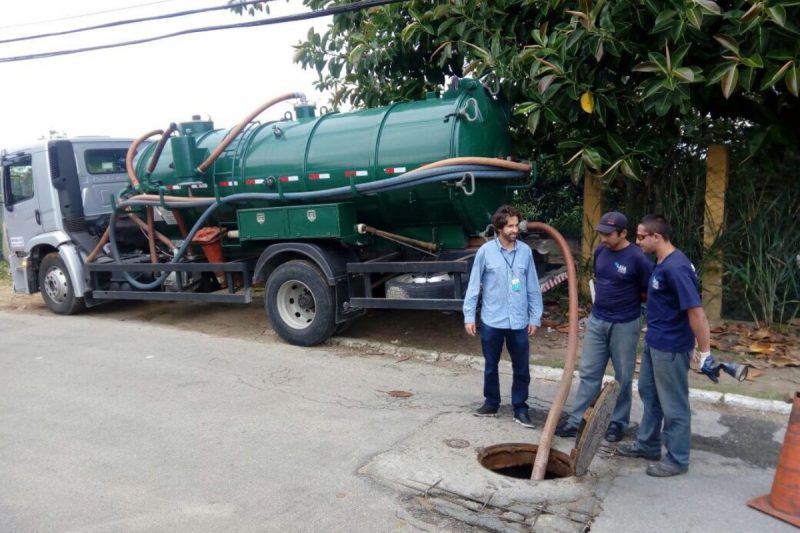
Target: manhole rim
559 464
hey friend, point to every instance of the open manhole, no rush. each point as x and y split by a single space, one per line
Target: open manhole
516 459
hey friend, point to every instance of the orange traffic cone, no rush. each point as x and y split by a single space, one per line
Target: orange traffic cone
783 502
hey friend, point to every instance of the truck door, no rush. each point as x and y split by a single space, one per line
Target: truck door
21 214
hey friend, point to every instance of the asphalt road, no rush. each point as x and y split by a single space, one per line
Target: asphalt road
125 426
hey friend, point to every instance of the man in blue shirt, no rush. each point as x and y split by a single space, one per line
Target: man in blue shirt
511 310
621 273
675 323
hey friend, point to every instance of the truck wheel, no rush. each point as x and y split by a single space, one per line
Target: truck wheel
299 304
56 287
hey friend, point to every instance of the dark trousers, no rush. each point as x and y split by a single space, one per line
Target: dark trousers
516 341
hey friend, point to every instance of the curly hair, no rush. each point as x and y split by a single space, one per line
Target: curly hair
501 216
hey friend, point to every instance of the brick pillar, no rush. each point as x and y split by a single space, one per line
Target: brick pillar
716 183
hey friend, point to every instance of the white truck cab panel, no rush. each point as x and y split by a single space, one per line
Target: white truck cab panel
52 193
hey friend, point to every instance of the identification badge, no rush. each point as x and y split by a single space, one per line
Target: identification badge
516 285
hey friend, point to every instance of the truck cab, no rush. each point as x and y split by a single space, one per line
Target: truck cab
56 197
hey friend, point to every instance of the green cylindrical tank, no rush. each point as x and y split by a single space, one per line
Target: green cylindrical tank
312 153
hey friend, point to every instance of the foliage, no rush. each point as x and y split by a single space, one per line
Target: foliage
603 85
554 201
4 274
761 245
251 9
632 92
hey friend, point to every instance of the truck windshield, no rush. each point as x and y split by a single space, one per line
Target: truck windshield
105 161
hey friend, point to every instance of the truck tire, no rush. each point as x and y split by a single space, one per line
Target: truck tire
56 286
438 286
300 304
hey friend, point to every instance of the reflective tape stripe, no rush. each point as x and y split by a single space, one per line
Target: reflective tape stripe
288 178
355 173
395 170
315 176
228 183
254 181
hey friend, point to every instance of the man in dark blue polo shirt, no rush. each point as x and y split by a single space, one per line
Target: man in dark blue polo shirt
621 273
676 323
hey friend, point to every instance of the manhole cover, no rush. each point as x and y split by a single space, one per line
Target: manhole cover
457 443
593 427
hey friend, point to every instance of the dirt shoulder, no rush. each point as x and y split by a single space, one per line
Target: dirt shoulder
428 330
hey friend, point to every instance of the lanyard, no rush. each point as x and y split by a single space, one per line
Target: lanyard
513 256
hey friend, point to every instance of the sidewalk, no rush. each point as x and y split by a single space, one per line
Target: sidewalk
550 374
735 444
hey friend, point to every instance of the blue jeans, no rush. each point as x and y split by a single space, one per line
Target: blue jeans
603 341
518 346
664 389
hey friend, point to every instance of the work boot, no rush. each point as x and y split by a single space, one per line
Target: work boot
666 468
615 432
524 419
631 449
486 410
565 430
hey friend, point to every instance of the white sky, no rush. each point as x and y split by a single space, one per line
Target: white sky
131 90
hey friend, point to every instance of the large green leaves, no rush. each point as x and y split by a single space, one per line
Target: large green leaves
644 66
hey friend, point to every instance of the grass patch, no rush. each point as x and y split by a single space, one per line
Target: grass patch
550 362
735 388
5 275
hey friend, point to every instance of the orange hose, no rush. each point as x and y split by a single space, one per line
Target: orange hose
238 129
493 161
132 153
151 239
143 225
94 253
181 223
172 198
546 442
160 147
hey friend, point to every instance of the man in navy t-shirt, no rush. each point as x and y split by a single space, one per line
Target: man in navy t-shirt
675 323
621 273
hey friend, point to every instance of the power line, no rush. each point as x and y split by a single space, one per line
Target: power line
335 10
131 21
35 22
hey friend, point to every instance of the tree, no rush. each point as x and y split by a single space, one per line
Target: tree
607 87
632 91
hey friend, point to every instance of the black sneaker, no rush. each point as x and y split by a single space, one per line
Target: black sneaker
565 430
524 419
614 433
631 449
486 410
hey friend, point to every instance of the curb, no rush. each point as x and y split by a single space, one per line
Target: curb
547 373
